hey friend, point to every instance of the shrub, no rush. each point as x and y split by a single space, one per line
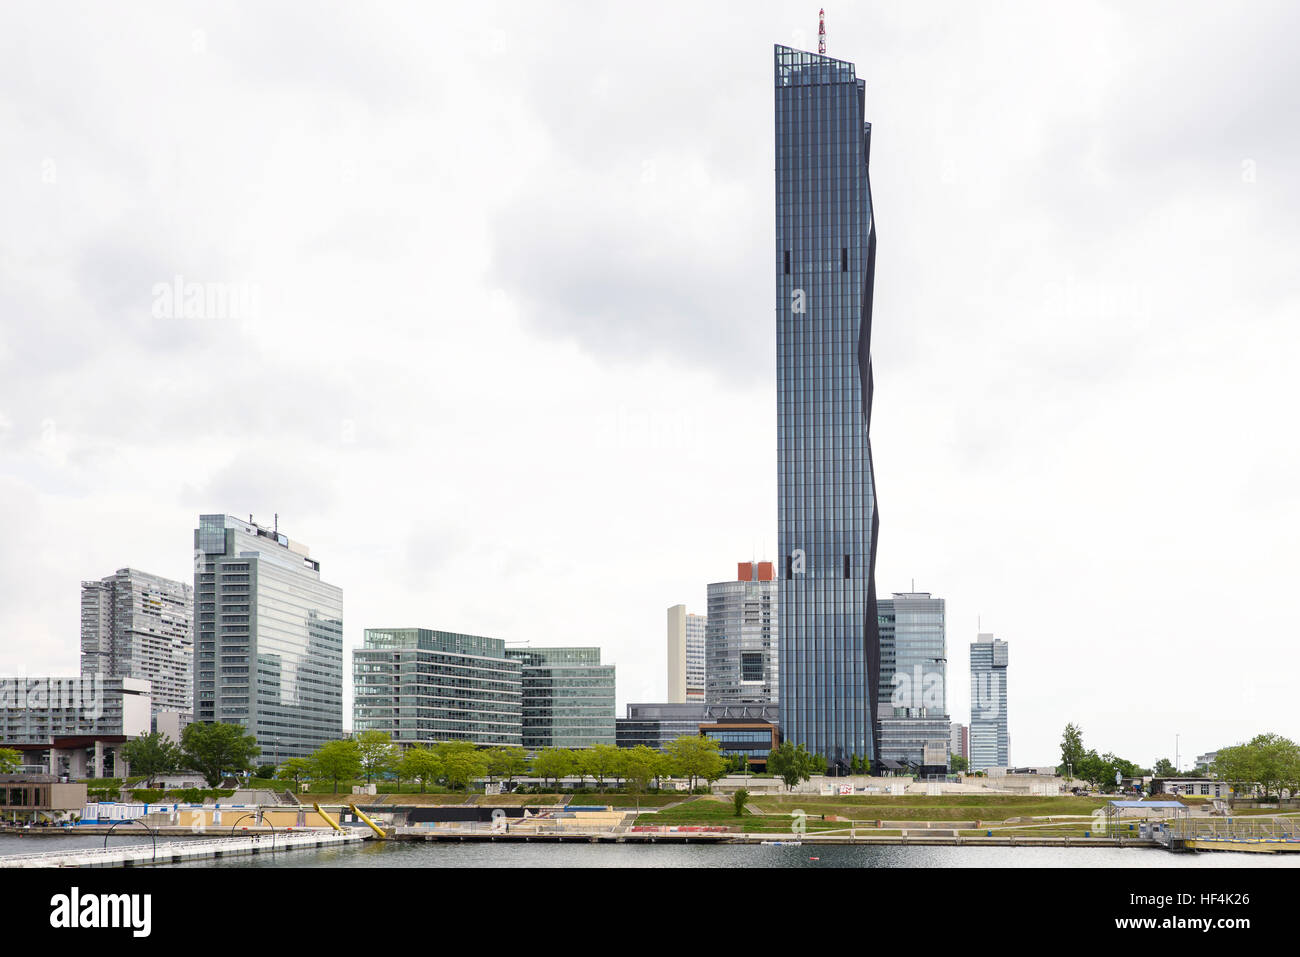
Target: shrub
739 799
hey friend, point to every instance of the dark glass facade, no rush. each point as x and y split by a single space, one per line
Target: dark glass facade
827 525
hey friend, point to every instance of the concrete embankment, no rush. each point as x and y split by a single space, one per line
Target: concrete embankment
444 834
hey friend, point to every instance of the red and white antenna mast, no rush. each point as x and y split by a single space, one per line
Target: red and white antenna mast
821 32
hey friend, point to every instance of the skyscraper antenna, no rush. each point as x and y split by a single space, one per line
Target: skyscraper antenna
821 31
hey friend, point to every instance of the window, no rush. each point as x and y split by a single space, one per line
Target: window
787 262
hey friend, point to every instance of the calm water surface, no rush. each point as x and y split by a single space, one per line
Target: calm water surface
403 854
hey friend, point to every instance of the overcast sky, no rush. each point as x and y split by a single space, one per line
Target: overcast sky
509 366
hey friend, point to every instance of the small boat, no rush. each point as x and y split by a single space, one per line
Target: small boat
783 843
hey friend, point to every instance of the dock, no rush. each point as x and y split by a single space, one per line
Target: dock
174 852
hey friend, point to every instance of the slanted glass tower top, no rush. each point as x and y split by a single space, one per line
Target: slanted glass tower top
826 506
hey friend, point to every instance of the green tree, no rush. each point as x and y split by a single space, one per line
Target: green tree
694 756
641 766
551 764
336 761
215 749
1072 753
1269 760
10 759
791 764
296 770
420 764
151 755
604 761
958 764
578 766
461 762
506 763
377 752
1164 768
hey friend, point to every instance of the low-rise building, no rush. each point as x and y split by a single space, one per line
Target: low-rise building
1193 787
28 797
745 726
755 738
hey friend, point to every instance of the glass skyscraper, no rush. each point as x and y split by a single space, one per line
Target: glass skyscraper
989 743
827 524
270 638
912 704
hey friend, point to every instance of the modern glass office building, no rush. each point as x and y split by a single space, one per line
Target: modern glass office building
423 687
827 524
741 647
269 650
989 743
912 705
568 697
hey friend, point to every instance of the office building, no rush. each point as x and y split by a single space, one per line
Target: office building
269 652
686 641
567 697
423 686
741 648
912 706
827 523
73 725
137 625
989 744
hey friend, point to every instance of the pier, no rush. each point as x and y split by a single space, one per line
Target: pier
174 852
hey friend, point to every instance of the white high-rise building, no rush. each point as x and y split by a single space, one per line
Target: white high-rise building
686 669
137 625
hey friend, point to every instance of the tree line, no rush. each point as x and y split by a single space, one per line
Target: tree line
1268 760
218 750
